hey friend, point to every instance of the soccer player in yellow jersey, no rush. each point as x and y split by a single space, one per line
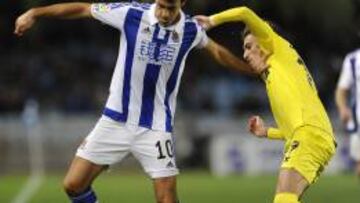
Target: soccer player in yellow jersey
301 119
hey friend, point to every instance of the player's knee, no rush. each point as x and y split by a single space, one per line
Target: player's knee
73 187
286 198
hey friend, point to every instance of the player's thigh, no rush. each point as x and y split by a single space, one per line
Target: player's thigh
81 174
108 143
291 181
355 147
155 152
308 153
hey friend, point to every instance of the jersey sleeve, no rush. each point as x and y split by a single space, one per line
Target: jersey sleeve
258 27
202 38
275 134
112 14
346 78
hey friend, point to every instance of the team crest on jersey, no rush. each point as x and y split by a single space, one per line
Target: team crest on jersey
294 145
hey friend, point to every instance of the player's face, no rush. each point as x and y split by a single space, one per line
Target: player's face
168 11
253 54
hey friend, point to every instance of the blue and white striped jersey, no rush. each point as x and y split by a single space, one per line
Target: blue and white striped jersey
150 63
350 80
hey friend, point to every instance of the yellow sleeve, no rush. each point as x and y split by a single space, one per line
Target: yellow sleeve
275 134
258 27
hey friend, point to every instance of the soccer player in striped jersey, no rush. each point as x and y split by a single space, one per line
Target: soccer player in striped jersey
139 114
302 121
348 87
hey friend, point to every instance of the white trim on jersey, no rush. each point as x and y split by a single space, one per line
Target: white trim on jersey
150 63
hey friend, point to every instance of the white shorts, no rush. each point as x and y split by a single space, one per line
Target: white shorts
355 146
111 141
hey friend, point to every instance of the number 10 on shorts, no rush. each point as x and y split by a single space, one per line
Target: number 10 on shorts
165 146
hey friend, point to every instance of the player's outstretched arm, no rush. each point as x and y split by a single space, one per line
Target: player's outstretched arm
65 10
258 128
241 14
257 26
226 58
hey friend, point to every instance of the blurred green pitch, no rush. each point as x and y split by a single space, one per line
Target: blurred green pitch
193 187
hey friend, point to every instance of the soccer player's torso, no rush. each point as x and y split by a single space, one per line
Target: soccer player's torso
149 68
292 93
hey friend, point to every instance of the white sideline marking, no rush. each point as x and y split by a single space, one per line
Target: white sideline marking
32 185
34 138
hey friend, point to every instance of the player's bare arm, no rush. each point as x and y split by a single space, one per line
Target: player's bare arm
341 96
65 10
224 57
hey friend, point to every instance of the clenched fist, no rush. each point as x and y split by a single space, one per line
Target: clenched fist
24 22
257 127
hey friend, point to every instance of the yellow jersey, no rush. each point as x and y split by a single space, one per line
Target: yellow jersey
292 93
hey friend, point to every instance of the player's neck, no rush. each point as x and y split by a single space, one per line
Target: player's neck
178 17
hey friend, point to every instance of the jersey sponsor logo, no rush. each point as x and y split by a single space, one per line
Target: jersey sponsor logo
166 54
146 31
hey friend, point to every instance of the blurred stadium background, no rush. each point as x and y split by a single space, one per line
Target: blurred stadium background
54 83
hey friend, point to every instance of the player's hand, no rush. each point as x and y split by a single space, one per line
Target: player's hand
24 22
345 115
257 127
204 21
